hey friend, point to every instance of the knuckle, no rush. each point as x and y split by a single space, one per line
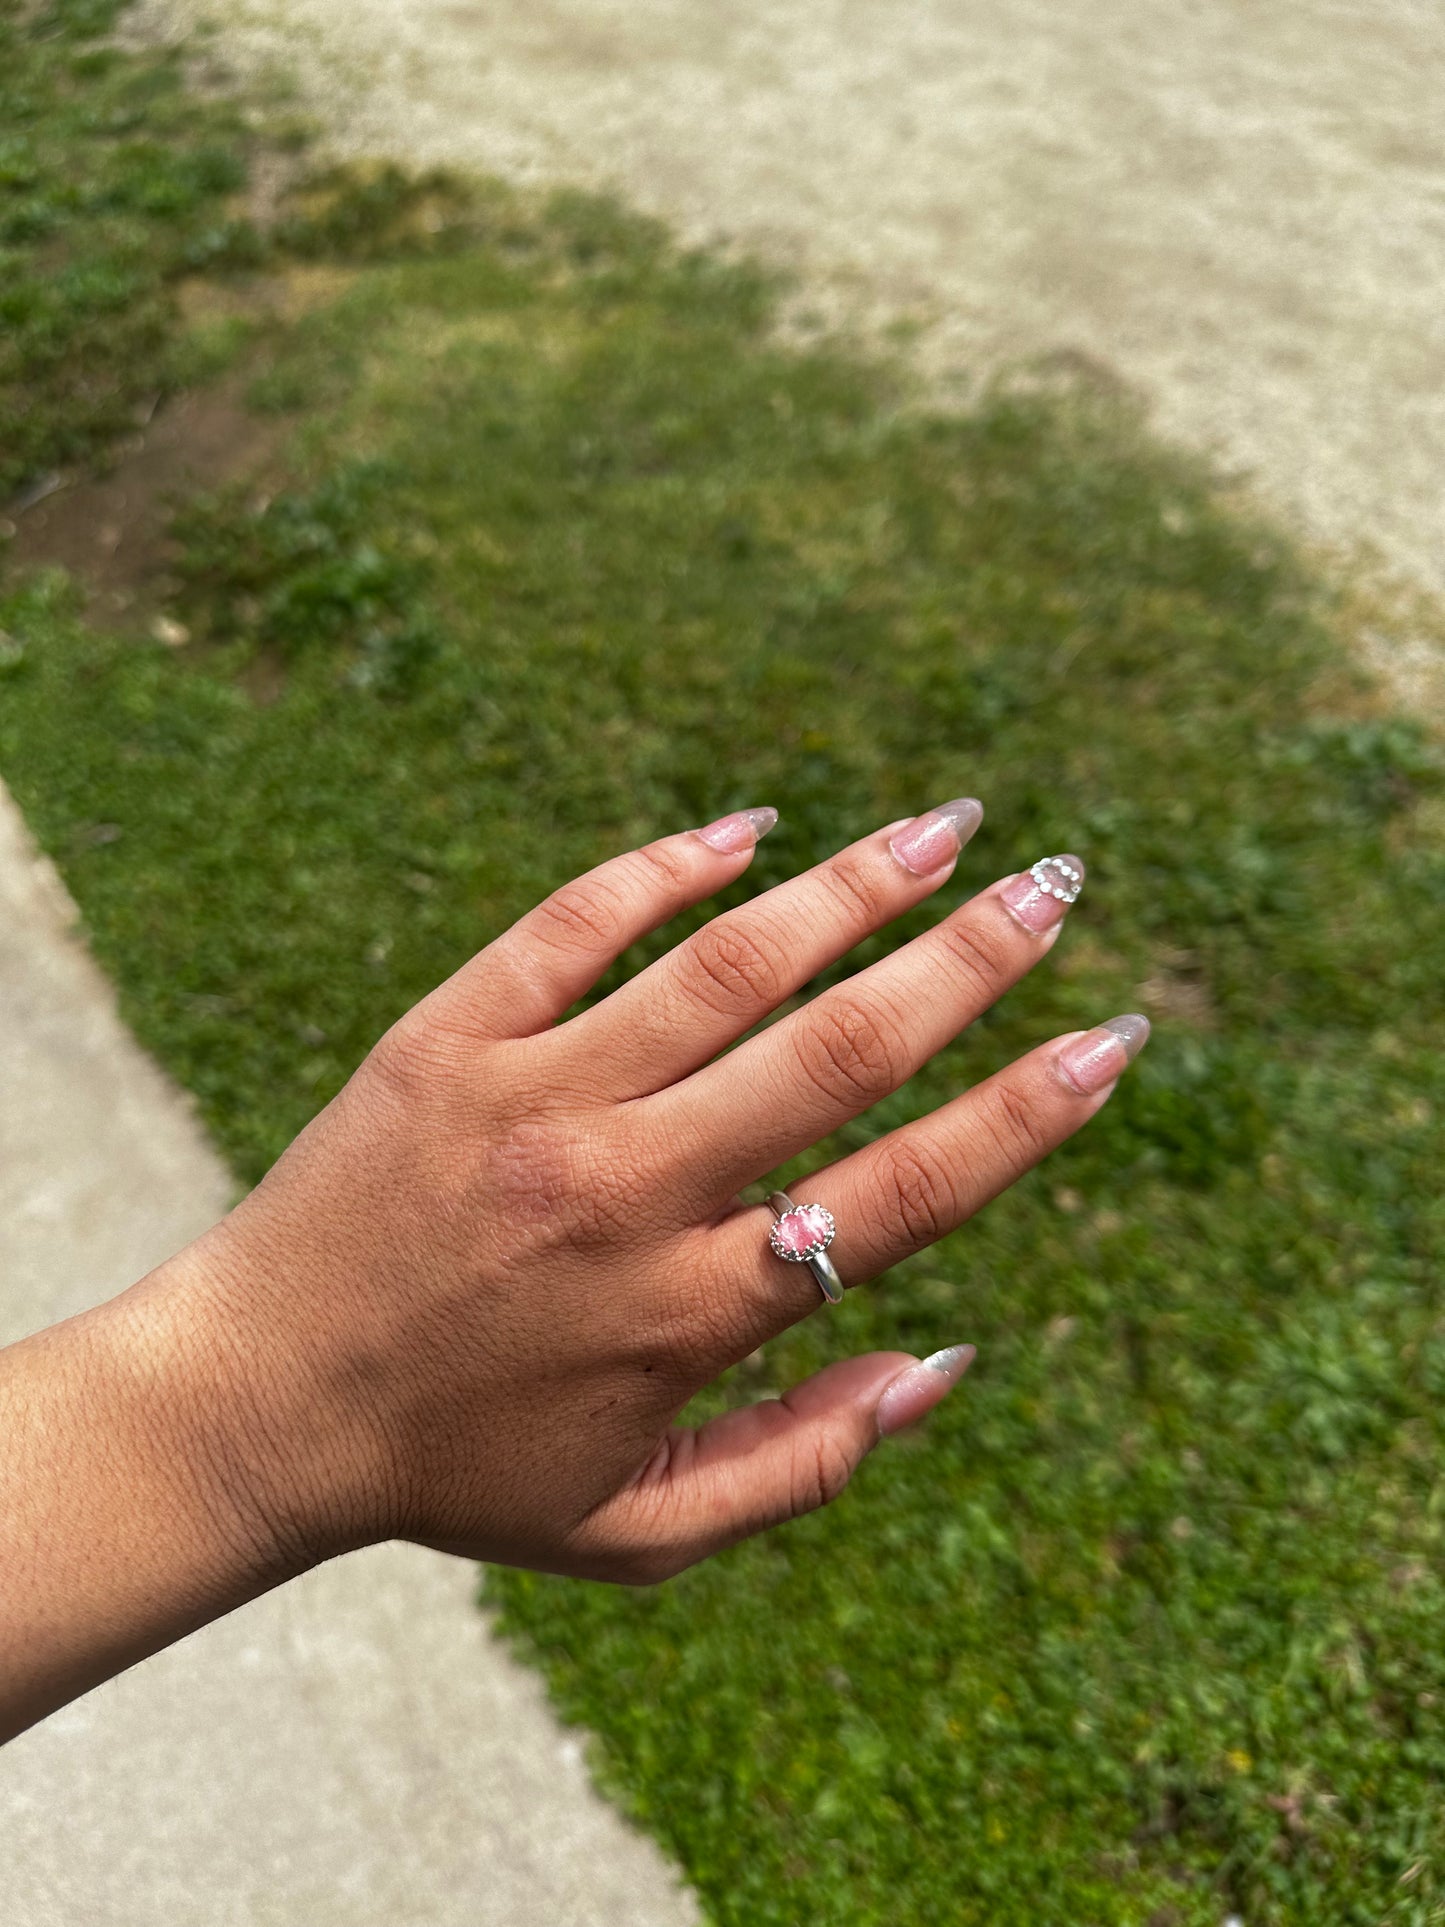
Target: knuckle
1017 1122
569 1187
604 1190
732 969
821 1469
584 915
852 1052
416 1054
921 1194
857 884
978 954
601 1218
662 871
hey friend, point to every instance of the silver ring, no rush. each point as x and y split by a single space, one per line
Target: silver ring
801 1234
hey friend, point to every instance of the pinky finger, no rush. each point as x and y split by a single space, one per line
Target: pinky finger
710 1487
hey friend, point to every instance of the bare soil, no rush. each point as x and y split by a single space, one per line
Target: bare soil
111 531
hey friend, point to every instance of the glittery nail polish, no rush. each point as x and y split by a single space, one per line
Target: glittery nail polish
930 841
1039 897
1088 1064
918 1388
740 831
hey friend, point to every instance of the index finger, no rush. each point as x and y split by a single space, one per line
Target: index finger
702 996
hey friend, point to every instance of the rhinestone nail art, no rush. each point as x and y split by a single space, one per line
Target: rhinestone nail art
1057 877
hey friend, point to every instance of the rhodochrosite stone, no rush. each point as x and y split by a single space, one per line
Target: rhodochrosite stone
802 1232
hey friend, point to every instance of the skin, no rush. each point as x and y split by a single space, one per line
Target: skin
468 1304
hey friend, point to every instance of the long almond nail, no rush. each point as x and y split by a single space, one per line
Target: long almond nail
740 831
1039 897
935 838
1090 1063
918 1388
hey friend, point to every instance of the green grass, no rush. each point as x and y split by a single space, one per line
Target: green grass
115 183
1147 1625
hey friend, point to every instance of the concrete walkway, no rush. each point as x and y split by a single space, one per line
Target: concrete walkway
1236 211
353 1751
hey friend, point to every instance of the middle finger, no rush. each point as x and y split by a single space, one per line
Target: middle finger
703 995
779 1092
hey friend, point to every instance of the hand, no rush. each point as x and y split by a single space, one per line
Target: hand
469 1302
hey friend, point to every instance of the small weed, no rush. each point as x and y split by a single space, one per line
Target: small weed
304 571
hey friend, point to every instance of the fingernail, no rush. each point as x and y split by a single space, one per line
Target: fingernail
929 841
1039 897
740 831
1088 1063
918 1388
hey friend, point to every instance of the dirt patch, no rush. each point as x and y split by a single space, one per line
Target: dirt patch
109 526
111 531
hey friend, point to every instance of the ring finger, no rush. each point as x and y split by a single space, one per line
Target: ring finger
907 1190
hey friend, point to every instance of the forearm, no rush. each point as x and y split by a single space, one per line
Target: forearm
128 1509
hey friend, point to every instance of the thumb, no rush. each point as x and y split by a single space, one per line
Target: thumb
708 1487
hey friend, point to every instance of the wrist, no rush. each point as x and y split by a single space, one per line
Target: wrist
166 1457
284 1469
138 1506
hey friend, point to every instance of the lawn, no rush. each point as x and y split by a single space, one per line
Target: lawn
556 547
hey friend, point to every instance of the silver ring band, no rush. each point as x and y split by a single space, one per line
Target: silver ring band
811 1229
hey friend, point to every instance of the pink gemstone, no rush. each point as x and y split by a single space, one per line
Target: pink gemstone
801 1232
